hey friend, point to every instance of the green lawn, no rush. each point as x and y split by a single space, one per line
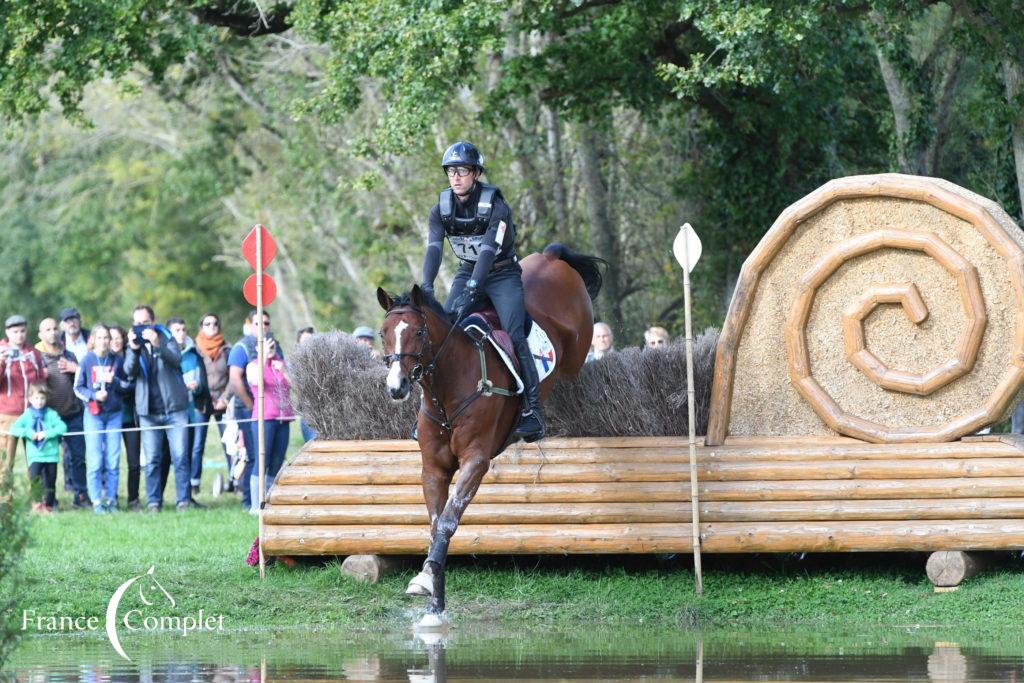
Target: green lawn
76 560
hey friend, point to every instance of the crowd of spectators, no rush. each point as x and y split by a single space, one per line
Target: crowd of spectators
78 394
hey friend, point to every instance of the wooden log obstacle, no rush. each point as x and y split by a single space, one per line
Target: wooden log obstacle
631 495
877 325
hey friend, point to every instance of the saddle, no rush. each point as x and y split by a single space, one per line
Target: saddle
486 323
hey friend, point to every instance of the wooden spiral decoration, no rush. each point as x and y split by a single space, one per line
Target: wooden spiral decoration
832 266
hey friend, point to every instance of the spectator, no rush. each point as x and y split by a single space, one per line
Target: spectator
129 422
193 371
61 366
277 416
99 384
41 428
214 352
20 366
365 336
242 353
308 434
603 342
153 360
74 338
656 337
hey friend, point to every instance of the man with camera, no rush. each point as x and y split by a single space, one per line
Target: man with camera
20 366
153 360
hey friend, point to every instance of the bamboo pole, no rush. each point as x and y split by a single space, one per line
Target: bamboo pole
690 394
260 448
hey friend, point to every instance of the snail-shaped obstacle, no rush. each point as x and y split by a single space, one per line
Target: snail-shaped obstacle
816 343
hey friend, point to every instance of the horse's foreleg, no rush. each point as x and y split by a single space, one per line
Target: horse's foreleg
473 472
436 481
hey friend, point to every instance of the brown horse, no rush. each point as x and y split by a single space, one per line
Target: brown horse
460 426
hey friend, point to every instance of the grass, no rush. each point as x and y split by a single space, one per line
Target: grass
76 560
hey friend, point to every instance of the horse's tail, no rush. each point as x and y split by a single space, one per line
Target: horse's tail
590 268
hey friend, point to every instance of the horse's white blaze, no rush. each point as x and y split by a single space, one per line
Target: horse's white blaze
395 373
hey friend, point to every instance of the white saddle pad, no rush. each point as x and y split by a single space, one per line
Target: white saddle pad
540 347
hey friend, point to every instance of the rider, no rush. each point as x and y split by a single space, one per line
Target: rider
478 224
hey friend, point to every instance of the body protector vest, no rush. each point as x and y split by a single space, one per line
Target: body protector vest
466 235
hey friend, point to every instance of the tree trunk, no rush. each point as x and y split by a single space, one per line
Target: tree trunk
945 90
910 156
1013 73
554 131
604 234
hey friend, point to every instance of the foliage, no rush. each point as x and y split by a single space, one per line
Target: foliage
324 119
200 557
14 532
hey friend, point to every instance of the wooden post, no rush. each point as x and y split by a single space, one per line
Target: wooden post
948 568
695 519
371 568
261 360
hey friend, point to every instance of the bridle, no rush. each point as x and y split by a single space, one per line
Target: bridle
418 373
424 375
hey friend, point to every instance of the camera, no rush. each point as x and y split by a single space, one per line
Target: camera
13 353
139 329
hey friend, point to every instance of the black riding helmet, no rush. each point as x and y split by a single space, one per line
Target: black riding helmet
462 154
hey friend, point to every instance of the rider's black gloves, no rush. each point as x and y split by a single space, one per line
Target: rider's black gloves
466 300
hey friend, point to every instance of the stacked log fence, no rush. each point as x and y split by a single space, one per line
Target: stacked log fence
632 495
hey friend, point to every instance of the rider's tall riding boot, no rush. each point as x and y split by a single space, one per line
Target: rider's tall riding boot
531 422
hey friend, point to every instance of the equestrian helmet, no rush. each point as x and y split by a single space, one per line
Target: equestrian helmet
462 154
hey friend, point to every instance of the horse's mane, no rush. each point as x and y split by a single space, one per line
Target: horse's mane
405 299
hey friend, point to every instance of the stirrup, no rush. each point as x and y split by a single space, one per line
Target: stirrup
535 434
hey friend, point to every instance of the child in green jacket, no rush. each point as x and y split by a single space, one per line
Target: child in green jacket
41 428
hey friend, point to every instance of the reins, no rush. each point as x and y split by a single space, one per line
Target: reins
421 374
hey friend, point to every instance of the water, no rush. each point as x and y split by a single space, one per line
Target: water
473 653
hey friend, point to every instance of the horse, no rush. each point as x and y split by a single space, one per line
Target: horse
465 419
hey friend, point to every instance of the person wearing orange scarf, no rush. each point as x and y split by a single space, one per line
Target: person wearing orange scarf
214 352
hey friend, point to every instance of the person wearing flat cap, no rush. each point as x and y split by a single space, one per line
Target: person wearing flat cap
20 366
73 336
365 336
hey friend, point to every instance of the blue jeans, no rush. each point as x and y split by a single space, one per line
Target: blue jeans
177 439
199 444
275 445
75 454
102 454
1017 419
308 433
248 433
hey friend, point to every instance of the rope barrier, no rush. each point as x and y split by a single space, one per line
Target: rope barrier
5 432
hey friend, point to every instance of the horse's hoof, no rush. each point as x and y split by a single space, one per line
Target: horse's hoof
431 622
422 584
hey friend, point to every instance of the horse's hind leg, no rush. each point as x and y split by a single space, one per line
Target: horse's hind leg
473 471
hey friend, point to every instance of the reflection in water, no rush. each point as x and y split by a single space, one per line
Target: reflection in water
434 658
